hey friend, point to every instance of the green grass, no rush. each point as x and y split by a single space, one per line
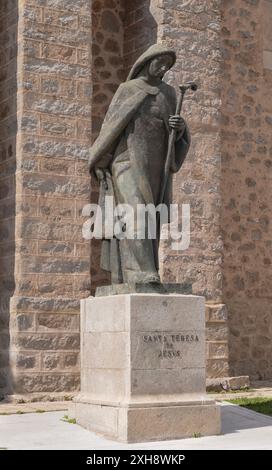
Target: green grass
39 411
68 420
67 398
241 390
259 404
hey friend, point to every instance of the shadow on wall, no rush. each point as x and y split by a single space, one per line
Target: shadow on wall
8 131
122 31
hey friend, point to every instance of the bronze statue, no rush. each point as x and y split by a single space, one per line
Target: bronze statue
129 158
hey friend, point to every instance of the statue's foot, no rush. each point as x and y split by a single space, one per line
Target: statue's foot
151 278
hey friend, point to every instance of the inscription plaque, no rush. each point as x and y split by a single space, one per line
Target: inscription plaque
167 349
170 343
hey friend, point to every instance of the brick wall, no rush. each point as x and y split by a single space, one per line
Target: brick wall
144 23
8 128
58 80
246 183
122 30
107 74
61 91
52 185
265 20
140 30
226 178
193 30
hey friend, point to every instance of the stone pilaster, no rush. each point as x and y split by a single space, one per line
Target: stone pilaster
52 259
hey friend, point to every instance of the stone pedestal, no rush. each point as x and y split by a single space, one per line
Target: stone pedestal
143 368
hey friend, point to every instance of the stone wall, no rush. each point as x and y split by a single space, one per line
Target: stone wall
52 186
8 129
246 183
195 33
140 29
193 30
60 90
61 107
226 178
131 27
122 30
107 74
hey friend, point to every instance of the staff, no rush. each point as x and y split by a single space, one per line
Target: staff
172 139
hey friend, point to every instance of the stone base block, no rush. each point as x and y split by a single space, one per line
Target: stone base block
143 368
157 422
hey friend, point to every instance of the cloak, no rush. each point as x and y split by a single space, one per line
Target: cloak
127 100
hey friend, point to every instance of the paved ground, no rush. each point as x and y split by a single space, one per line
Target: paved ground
241 429
36 407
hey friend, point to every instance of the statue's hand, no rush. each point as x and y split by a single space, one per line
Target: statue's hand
100 174
102 177
177 123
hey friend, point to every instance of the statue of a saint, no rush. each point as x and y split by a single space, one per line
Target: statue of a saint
128 158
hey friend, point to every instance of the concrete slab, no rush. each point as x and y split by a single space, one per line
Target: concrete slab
242 429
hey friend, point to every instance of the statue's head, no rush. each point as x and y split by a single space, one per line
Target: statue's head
157 60
160 65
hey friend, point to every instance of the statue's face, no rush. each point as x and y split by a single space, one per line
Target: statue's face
159 66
